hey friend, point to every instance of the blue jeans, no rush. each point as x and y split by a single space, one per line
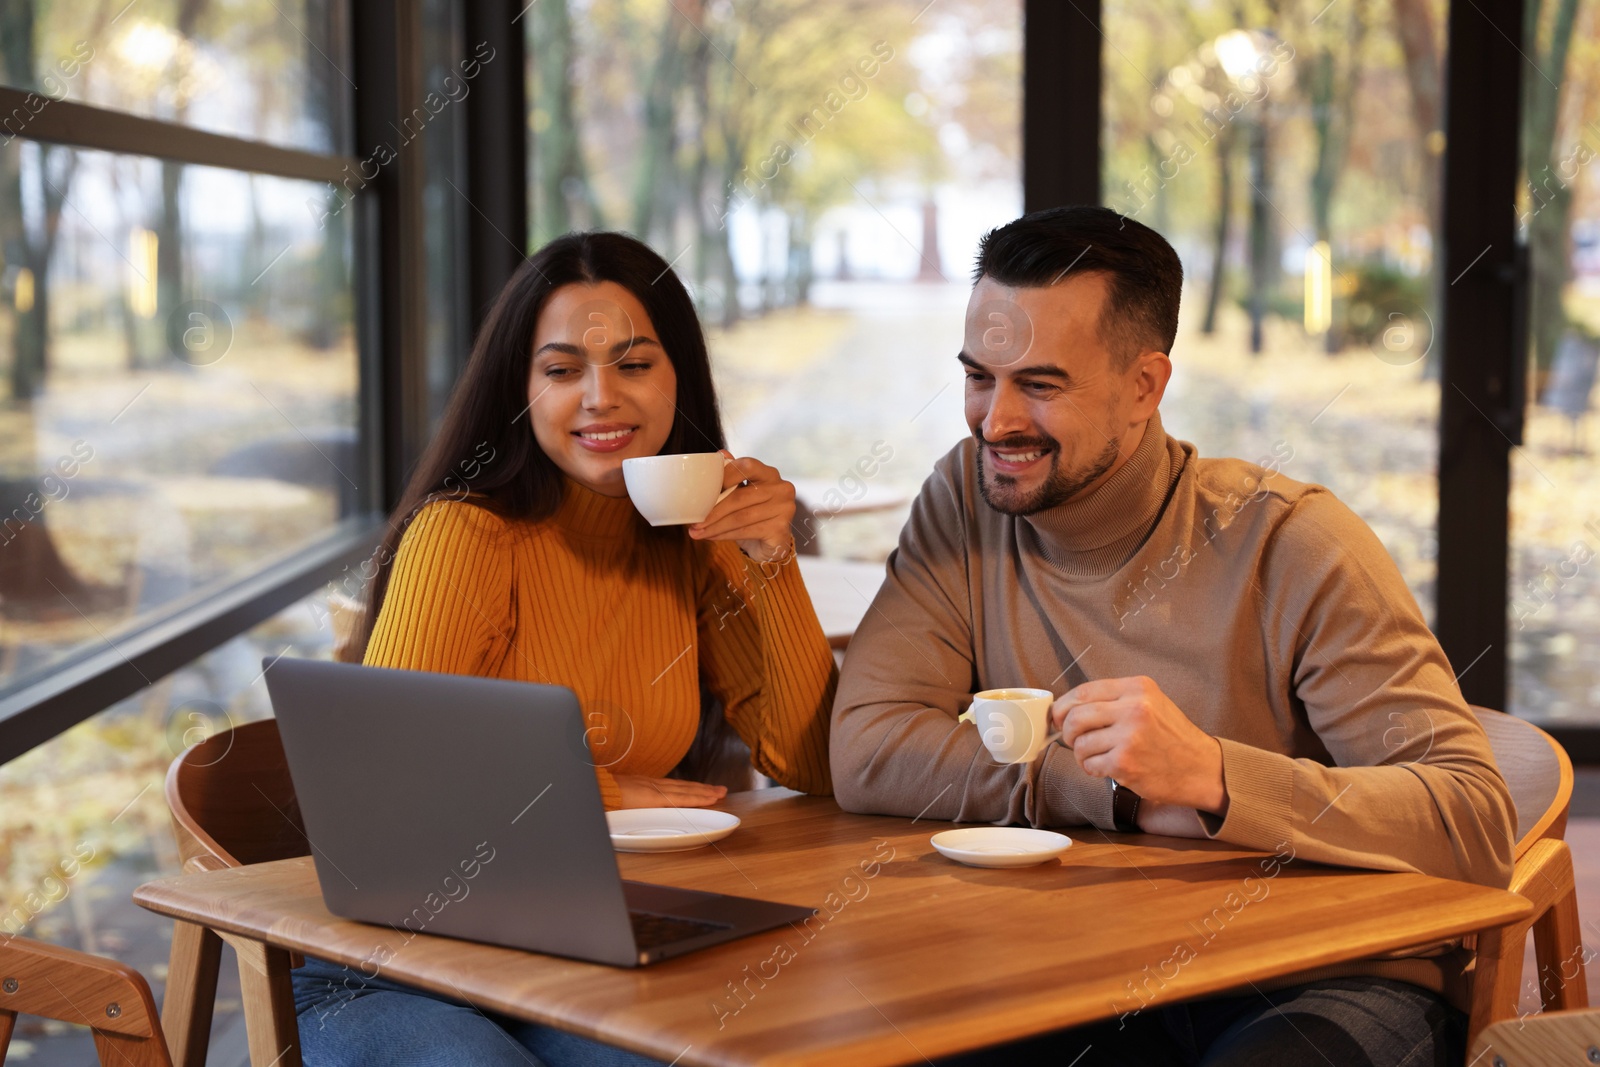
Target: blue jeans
349 1020
1345 1022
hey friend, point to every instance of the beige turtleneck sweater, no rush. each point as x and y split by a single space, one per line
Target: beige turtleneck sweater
1263 607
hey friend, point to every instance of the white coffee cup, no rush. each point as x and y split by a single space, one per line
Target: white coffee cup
1014 724
676 490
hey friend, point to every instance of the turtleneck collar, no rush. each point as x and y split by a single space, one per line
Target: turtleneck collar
1091 536
592 515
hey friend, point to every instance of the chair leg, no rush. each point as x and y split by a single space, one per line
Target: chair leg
8 1019
1544 876
125 1050
191 992
269 1019
1497 975
1558 947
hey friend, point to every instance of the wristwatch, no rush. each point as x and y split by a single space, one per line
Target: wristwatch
1124 808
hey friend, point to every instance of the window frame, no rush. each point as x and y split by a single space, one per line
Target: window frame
1483 330
392 381
1062 53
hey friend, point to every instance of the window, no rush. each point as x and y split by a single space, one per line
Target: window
1554 596
182 373
1291 155
198 283
819 175
277 72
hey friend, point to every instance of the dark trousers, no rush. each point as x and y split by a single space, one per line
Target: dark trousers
1341 1022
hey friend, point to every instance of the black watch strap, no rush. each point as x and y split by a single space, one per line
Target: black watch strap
1124 808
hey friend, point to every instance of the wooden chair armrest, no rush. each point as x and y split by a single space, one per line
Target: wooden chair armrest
62 983
198 864
1534 1040
1544 873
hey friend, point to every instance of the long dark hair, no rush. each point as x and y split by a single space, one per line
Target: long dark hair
489 408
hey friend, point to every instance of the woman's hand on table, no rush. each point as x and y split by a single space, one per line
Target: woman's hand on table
642 791
757 516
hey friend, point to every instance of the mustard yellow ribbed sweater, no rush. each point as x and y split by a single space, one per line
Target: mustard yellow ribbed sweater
628 617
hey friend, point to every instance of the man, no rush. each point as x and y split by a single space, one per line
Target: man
1238 657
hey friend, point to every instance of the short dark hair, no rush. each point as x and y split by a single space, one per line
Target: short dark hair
1040 248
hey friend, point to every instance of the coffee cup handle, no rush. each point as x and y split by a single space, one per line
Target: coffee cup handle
724 494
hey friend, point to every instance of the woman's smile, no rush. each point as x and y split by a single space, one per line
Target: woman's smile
606 437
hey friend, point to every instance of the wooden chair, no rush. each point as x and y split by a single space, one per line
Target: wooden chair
232 804
1539 775
59 983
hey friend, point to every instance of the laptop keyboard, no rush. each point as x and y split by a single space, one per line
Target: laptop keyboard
651 930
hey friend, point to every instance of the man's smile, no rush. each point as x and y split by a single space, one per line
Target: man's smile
1018 455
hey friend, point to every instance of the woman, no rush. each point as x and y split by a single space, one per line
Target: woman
516 554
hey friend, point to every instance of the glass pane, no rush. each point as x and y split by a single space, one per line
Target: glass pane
180 371
819 174
1554 597
1290 153
276 72
85 823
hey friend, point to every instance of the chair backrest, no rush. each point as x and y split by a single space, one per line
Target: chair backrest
232 800
1537 771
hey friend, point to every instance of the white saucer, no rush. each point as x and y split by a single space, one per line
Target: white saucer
1000 846
667 829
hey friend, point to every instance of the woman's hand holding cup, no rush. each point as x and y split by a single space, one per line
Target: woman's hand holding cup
757 515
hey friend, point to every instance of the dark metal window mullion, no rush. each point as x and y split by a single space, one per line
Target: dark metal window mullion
1061 103
496 153
1479 281
388 72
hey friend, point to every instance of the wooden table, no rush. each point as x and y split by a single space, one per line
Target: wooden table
841 591
917 957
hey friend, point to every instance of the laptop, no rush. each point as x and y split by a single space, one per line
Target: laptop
468 807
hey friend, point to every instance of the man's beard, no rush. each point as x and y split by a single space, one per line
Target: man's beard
1059 485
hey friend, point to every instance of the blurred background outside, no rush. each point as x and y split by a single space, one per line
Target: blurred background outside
179 374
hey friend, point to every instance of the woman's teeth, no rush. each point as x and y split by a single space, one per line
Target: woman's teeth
609 435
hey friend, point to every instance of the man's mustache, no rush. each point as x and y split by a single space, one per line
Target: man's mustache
1020 444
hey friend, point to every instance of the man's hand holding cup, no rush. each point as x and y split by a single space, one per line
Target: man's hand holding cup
1127 729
